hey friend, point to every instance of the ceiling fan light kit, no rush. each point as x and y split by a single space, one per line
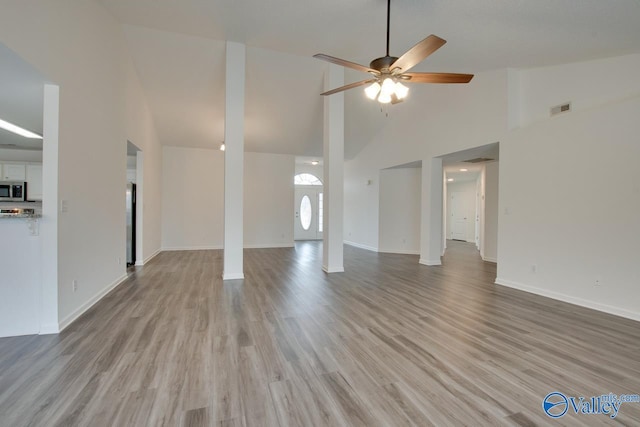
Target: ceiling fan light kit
389 72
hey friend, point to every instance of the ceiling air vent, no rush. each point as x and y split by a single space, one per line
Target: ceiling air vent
559 109
478 160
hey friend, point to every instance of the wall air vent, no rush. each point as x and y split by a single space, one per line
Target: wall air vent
478 160
559 109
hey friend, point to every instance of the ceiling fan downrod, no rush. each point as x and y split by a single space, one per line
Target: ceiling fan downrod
388 23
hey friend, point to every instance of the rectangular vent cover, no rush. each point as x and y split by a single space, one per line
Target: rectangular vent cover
478 160
559 109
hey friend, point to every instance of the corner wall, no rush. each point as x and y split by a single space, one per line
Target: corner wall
81 48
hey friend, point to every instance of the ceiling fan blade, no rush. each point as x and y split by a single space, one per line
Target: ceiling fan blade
344 63
347 87
437 77
418 52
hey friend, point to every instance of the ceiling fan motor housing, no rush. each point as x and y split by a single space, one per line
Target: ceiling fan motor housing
382 64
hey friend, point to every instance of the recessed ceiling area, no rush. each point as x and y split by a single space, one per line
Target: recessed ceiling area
471 174
178 48
21 100
453 162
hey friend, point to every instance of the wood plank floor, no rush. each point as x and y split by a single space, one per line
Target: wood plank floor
388 343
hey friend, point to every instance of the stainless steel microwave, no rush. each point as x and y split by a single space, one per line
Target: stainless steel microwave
13 191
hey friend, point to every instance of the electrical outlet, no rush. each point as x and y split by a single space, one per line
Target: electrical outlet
119 261
597 283
74 285
534 268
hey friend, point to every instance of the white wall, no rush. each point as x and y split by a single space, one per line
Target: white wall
586 84
8 154
400 199
192 198
268 200
569 187
490 242
569 203
80 47
193 202
466 189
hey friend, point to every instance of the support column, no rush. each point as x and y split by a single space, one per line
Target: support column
332 259
49 322
234 161
431 243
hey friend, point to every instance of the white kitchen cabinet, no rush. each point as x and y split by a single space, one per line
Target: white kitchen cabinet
13 172
34 182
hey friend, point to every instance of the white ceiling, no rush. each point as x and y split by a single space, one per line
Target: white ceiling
178 49
453 171
21 100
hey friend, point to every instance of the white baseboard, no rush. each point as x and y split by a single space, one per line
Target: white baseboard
191 248
149 258
219 247
488 259
90 303
399 251
633 315
333 269
270 245
358 245
430 263
232 276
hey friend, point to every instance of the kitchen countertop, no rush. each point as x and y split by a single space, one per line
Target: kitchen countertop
23 216
33 210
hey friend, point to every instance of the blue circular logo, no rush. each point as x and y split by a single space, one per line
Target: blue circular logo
555 404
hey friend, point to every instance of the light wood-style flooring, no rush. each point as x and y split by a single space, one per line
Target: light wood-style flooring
387 343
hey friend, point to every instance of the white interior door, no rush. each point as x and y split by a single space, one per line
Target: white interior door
458 216
307 214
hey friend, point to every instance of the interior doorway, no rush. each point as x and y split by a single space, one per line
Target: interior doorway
134 159
308 207
470 199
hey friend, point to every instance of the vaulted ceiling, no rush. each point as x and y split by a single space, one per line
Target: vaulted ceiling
178 49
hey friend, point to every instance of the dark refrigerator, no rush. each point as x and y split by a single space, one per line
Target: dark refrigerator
131 224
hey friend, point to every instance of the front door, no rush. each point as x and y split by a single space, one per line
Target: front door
308 213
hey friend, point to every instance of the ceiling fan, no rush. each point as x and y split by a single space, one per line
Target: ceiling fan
388 72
